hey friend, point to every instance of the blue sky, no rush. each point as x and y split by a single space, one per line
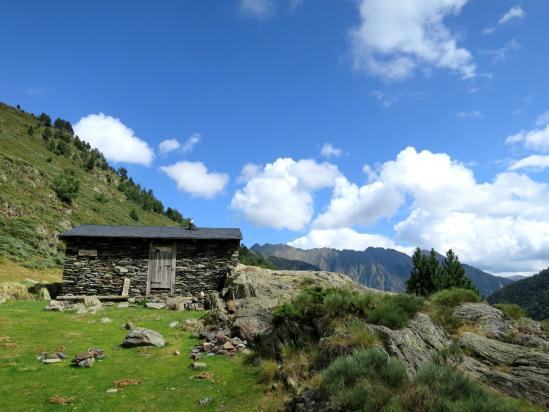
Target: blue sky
440 99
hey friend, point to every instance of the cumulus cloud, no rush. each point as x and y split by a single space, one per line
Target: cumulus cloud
249 170
513 13
353 205
168 145
536 139
114 139
344 238
328 150
532 162
194 178
394 39
258 9
280 195
189 144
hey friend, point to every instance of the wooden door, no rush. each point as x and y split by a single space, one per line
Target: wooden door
161 267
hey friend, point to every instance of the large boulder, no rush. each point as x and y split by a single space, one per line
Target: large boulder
143 337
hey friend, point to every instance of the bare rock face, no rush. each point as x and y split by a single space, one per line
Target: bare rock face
143 337
415 344
507 355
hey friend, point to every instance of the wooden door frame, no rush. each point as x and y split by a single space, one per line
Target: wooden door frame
173 245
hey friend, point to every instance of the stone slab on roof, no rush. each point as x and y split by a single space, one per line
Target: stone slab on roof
152 232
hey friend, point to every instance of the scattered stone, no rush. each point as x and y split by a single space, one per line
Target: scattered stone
79 308
123 305
198 365
55 306
207 347
129 325
55 357
178 303
174 324
195 356
131 300
83 360
205 401
53 360
176 353
43 294
231 306
105 320
228 346
155 305
108 303
143 337
205 376
97 353
112 390
2 300
91 301
221 337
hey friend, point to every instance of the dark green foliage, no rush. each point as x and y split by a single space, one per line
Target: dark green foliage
45 119
66 186
425 271
428 276
134 215
63 126
250 258
532 294
512 310
444 316
30 131
454 296
284 313
62 149
174 215
46 134
390 310
452 274
101 198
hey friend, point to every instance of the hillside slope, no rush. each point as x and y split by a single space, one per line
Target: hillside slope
532 294
32 156
378 268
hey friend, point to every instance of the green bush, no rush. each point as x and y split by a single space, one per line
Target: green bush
134 215
394 311
512 310
364 380
66 186
454 296
284 313
545 325
444 316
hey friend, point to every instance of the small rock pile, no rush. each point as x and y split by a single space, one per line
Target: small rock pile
58 356
90 305
219 343
86 359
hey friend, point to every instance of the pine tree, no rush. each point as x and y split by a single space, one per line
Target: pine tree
424 273
453 274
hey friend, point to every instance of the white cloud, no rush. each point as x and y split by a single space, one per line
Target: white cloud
499 55
258 9
114 139
281 195
353 205
385 99
329 150
475 114
536 139
249 170
515 12
194 178
344 238
394 39
532 162
168 145
191 142
543 119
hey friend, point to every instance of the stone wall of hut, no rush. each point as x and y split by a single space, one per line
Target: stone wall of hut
98 266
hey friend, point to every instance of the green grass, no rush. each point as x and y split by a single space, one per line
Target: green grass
32 212
454 297
512 310
167 382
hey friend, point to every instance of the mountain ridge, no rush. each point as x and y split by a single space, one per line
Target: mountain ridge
379 268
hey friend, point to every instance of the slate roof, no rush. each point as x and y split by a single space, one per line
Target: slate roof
152 232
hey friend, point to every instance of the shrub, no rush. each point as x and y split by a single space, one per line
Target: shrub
284 313
66 186
545 325
364 380
454 296
267 370
512 310
134 216
101 198
45 119
394 311
444 316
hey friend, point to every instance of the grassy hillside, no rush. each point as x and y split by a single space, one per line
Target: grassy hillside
532 294
32 157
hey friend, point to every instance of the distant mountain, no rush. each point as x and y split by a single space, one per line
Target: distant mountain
288 264
532 294
516 278
379 268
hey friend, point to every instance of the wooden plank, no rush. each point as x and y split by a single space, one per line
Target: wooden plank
174 263
151 268
126 287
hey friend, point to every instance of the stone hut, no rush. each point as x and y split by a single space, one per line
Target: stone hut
146 260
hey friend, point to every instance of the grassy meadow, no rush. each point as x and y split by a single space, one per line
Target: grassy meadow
165 381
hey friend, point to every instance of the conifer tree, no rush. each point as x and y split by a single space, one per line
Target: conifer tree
424 273
453 275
